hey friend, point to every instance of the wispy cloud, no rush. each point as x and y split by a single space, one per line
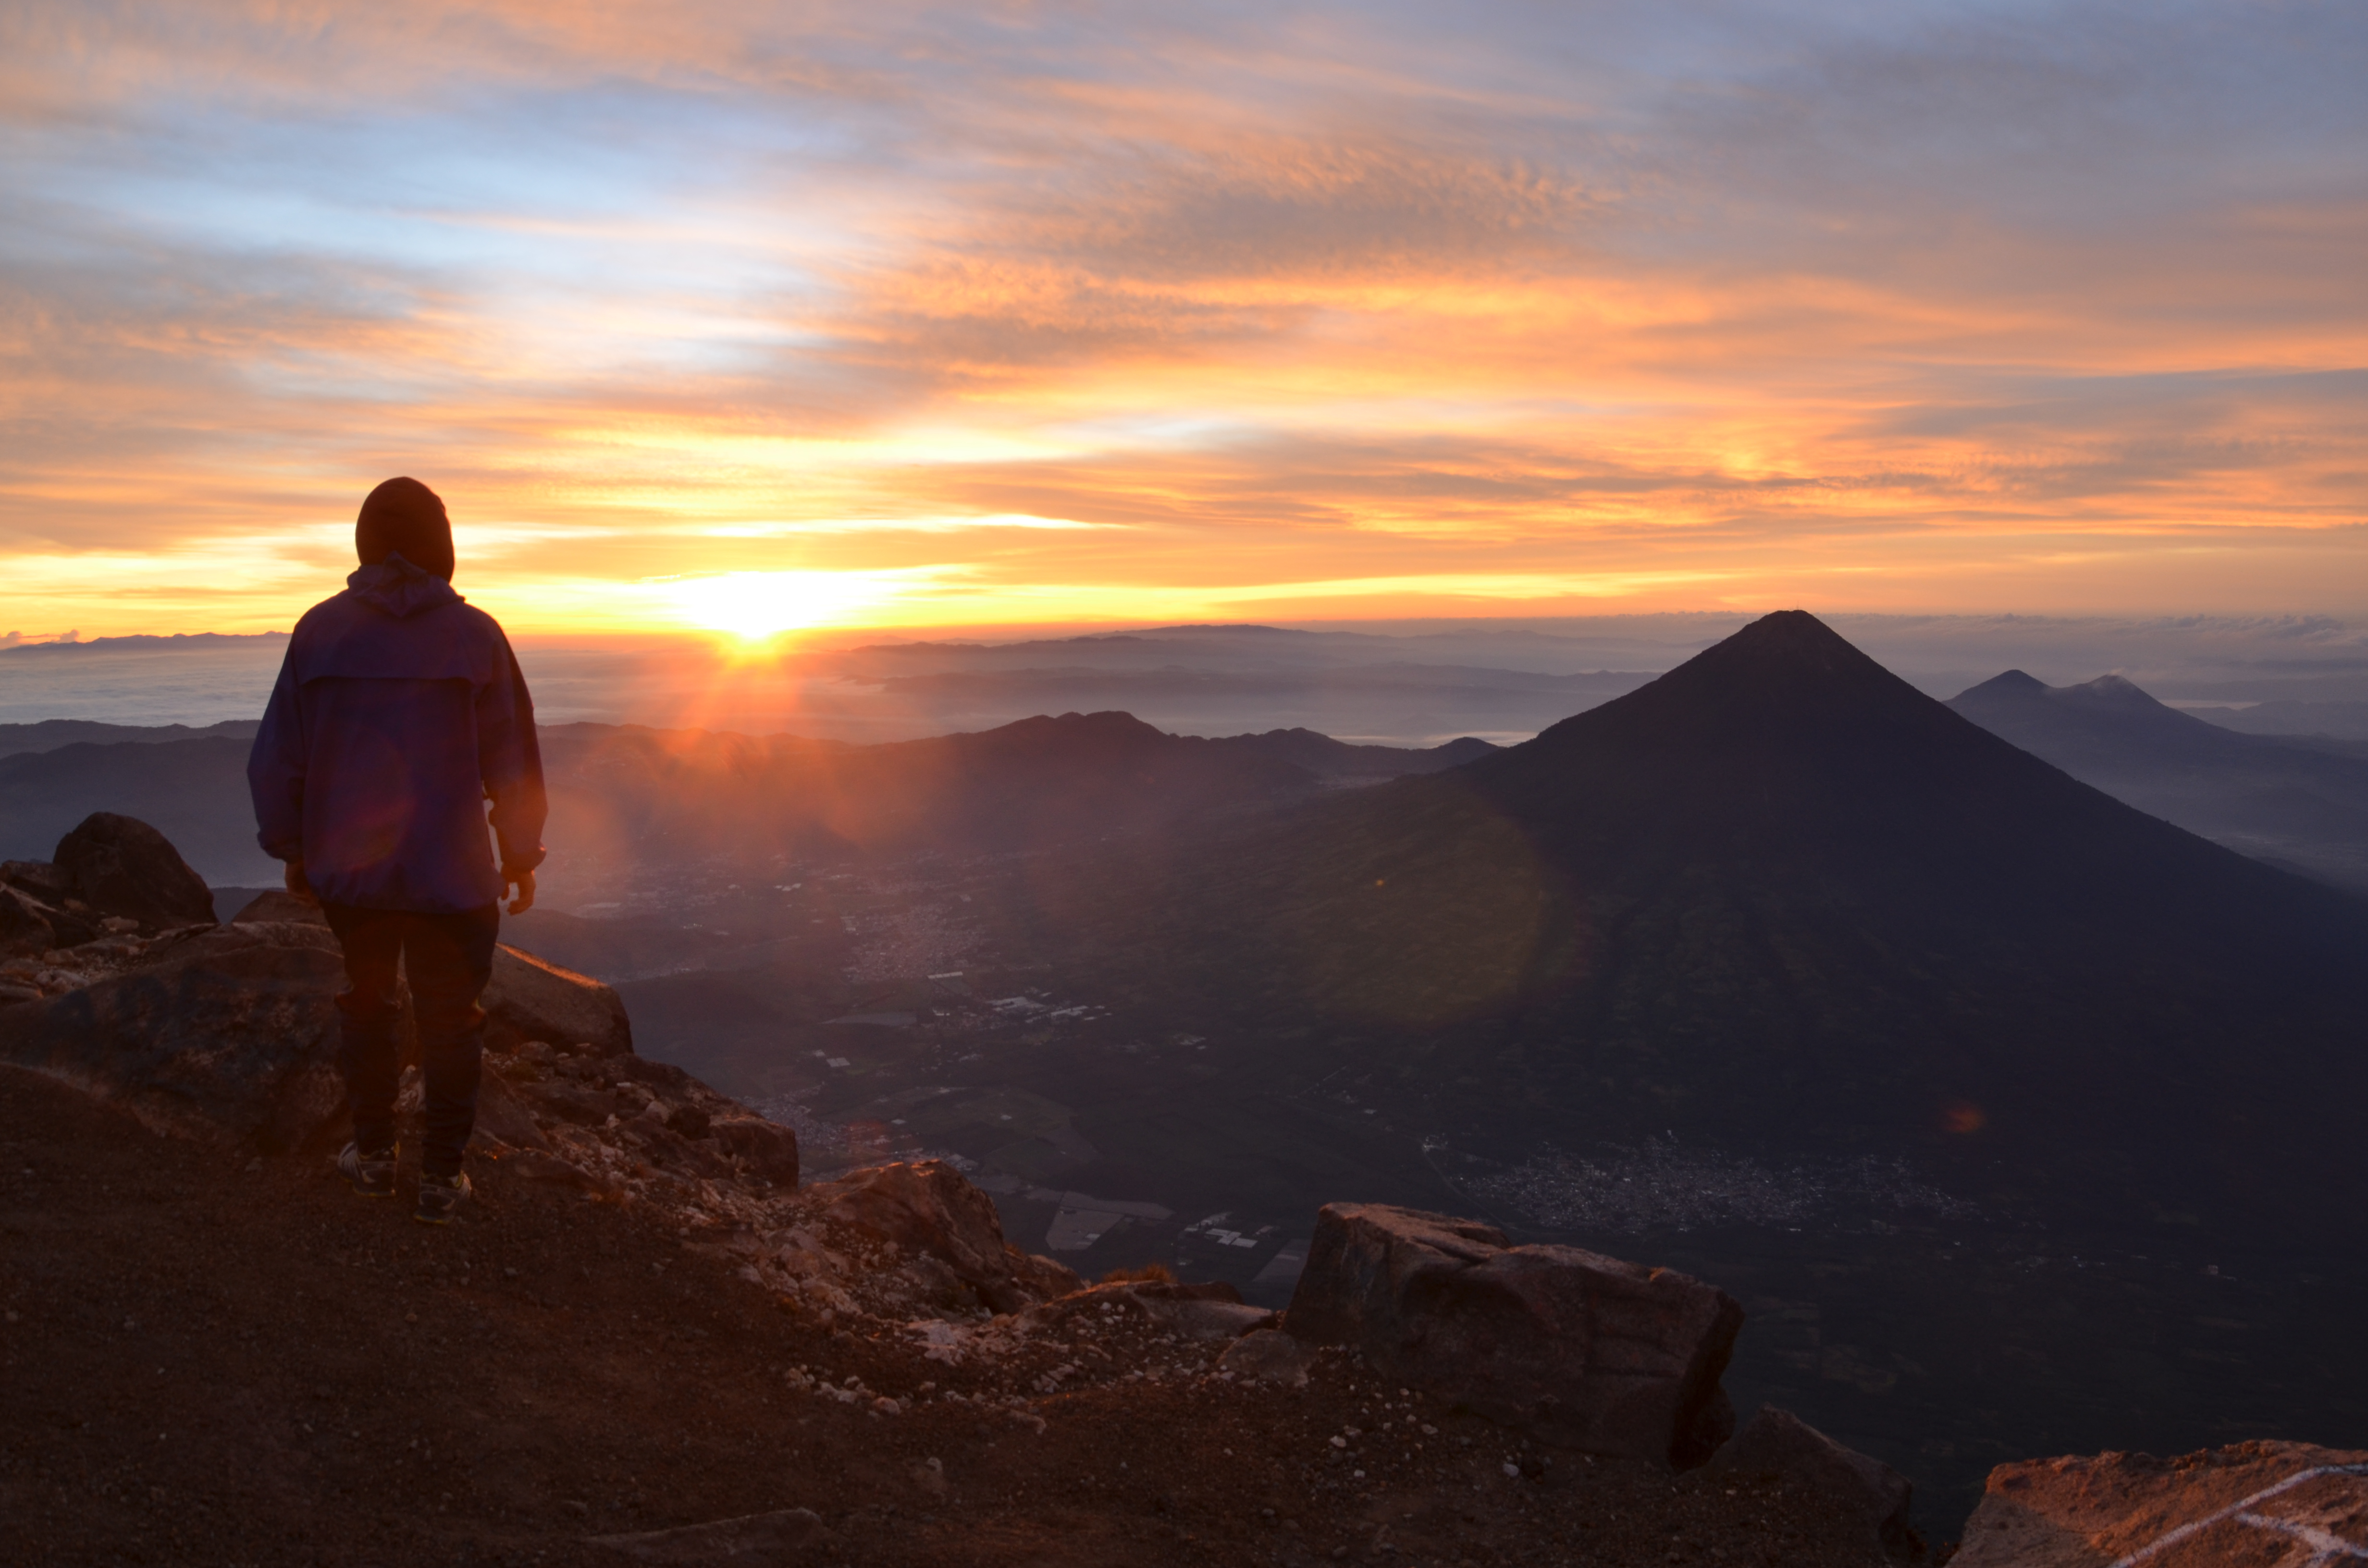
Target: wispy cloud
1121 307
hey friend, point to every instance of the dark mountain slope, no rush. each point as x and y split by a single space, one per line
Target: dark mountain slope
48 734
1329 758
2298 721
645 794
627 796
1781 898
2264 796
194 792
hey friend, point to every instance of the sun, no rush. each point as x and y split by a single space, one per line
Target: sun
757 606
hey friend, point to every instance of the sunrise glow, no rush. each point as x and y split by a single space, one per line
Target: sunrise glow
756 606
918 317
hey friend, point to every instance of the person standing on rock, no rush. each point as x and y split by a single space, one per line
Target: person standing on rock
399 712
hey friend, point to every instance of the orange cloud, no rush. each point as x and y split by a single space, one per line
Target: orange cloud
1327 310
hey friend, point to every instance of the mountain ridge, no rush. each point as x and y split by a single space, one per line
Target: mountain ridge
2276 798
622 793
1779 886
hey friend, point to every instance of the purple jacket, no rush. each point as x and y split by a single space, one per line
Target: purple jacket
400 710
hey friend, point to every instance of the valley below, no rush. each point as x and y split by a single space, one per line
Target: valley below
1946 1311
2019 1121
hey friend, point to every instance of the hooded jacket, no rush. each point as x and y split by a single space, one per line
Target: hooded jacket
399 711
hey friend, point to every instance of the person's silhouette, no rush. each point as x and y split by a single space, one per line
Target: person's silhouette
399 712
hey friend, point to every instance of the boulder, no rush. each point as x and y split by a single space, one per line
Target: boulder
1037 1277
528 1000
1579 1348
925 1206
1850 1483
2251 1503
231 1033
227 1035
121 865
769 1148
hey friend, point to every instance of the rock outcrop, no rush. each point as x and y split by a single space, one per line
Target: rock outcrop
223 1035
527 999
116 886
120 866
1777 1442
229 1035
1581 1349
925 1207
2252 1503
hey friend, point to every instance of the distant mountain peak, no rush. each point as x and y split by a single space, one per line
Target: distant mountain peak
2113 689
1788 673
1225 628
1788 634
2004 695
1784 645
1782 649
2009 683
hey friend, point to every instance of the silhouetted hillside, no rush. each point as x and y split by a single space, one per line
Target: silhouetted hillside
627 792
1329 758
2338 720
51 734
192 791
1210 680
2264 796
624 796
1781 898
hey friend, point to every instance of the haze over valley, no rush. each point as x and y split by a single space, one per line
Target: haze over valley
1908 1020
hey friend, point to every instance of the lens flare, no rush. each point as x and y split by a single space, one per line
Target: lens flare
1964 1115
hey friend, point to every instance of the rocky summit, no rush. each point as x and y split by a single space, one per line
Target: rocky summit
647 1340
113 886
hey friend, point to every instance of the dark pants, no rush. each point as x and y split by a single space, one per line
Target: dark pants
448 959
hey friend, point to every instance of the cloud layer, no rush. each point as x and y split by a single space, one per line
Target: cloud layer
1324 309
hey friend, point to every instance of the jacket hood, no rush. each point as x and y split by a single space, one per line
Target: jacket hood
399 588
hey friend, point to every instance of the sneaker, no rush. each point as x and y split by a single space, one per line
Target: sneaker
372 1174
439 1198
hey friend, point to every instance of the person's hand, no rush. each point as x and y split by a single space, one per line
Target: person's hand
298 886
524 883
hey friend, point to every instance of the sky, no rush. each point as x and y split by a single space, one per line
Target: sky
765 316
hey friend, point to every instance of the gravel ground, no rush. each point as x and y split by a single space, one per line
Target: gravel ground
208 1361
